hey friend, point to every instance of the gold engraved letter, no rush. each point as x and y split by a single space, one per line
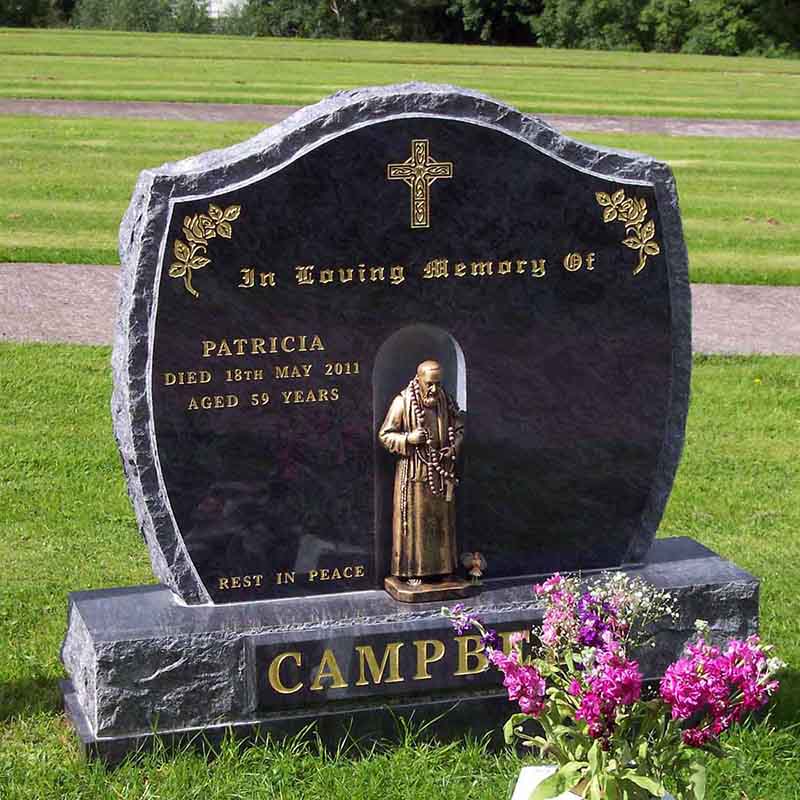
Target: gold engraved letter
465 653
303 274
436 268
248 278
505 637
328 668
419 171
366 658
274 673
424 658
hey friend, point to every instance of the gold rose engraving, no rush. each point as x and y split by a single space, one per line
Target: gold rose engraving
632 211
197 230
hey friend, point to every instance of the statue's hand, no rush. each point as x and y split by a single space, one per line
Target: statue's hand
446 452
417 437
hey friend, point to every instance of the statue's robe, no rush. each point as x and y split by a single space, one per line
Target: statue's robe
424 524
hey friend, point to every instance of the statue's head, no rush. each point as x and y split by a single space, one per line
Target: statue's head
429 374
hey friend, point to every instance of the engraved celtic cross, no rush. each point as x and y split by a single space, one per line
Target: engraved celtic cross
419 171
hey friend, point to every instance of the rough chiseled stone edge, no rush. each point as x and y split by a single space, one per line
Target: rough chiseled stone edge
145 224
79 660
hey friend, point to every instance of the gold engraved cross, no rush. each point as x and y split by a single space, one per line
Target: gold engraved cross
419 172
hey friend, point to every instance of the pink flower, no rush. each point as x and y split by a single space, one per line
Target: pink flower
523 682
721 687
592 712
613 682
550 585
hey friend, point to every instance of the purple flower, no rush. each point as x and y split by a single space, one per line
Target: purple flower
490 639
461 620
595 618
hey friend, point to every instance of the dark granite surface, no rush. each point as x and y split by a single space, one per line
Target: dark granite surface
574 383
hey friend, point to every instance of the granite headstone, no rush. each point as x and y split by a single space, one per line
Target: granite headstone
275 297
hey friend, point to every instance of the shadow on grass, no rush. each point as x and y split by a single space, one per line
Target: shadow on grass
30 696
785 709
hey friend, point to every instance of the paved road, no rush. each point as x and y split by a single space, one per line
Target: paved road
269 115
77 303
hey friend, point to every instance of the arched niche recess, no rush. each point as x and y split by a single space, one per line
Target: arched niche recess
395 365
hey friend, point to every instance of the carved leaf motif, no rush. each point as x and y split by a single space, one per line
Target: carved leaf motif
215 212
177 270
191 237
609 214
181 250
652 249
232 213
198 261
603 199
618 197
633 242
648 230
224 229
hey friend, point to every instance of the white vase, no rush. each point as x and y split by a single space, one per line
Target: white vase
531 777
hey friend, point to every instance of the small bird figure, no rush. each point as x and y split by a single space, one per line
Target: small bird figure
475 564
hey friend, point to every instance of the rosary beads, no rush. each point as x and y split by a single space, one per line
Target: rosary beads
431 456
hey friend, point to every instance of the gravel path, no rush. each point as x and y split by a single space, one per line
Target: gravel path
268 115
77 303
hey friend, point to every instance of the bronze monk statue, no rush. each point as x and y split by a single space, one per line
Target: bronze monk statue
425 429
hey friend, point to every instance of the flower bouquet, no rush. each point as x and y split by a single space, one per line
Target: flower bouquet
612 736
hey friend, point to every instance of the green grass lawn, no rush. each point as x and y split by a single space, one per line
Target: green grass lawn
66 524
67 182
98 65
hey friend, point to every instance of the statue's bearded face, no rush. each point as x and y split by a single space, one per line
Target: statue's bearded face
430 384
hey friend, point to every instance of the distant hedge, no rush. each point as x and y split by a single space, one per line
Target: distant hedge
722 27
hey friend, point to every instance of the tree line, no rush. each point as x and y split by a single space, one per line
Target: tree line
721 27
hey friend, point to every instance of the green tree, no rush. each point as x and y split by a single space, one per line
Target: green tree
191 16
780 22
89 13
665 24
725 28
591 24
123 15
500 21
26 13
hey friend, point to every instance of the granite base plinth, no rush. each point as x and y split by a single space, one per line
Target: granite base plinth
142 663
